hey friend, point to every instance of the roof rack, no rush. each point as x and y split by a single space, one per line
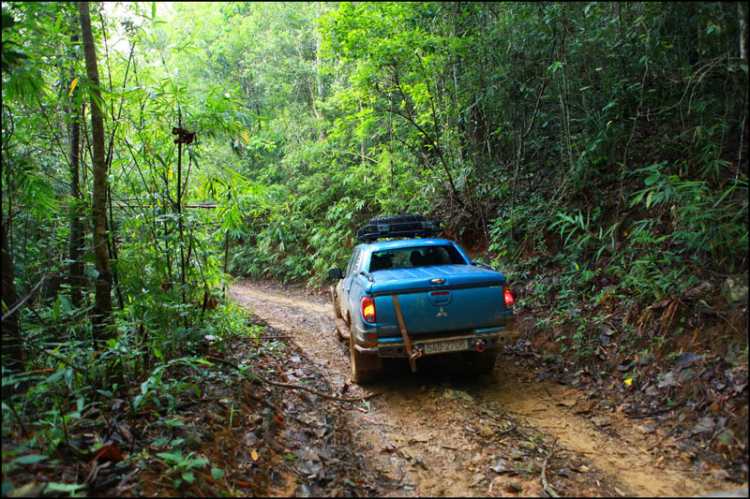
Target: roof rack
372 232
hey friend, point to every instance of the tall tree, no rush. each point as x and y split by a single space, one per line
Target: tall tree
76 225
103 300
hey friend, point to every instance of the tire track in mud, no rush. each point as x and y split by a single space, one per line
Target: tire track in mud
436 431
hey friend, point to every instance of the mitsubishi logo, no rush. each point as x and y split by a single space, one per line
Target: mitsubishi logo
442 313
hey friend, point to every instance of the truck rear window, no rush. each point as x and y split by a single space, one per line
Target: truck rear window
415 257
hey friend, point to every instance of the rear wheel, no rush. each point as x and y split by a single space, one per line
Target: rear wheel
481 363
365 367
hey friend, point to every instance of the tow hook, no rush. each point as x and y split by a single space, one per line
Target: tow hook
416 353
480 345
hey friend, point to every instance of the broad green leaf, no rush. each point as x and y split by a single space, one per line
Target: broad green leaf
651 179
30 459
64 487
174 457
198 463
56 377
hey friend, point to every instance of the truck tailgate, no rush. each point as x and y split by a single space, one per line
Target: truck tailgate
467 298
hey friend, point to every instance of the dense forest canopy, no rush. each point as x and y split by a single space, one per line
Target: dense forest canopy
583 148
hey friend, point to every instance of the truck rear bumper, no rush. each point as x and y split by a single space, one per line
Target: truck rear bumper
429 345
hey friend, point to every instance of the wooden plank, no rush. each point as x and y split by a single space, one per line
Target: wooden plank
404 334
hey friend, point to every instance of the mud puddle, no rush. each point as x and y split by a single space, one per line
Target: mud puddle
438 433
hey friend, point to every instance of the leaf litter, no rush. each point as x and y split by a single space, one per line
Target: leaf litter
692 404
225 435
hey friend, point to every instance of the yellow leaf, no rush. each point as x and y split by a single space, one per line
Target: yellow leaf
247 140
73 86
169 174
254 454
629 381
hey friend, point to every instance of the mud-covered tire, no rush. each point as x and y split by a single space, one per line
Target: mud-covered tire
334 301
478 364
365 368
397 219
342 330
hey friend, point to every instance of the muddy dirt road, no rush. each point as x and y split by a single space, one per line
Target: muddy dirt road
441 434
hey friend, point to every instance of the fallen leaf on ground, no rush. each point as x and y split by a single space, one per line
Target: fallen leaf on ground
564 472
668 379
720 474
107 452
418 461
502 466
601 421
123 430
686 359
704 425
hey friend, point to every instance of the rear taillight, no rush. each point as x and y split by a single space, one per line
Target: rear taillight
368 309
508 297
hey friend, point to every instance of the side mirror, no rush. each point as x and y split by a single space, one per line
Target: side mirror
335 273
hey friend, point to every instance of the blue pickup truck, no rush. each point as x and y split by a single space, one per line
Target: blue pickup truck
413 297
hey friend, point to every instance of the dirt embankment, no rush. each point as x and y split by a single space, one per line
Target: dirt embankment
439 433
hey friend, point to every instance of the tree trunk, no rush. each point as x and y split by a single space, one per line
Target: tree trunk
103 299
76 226
742 11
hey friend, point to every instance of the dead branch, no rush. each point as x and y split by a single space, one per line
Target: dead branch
547 488
671 430
294 387
18 305
505 432
658 411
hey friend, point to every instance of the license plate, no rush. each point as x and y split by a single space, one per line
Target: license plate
446 346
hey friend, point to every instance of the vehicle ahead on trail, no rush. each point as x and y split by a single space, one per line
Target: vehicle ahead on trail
409 298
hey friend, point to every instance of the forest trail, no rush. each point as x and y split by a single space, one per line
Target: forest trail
441 434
